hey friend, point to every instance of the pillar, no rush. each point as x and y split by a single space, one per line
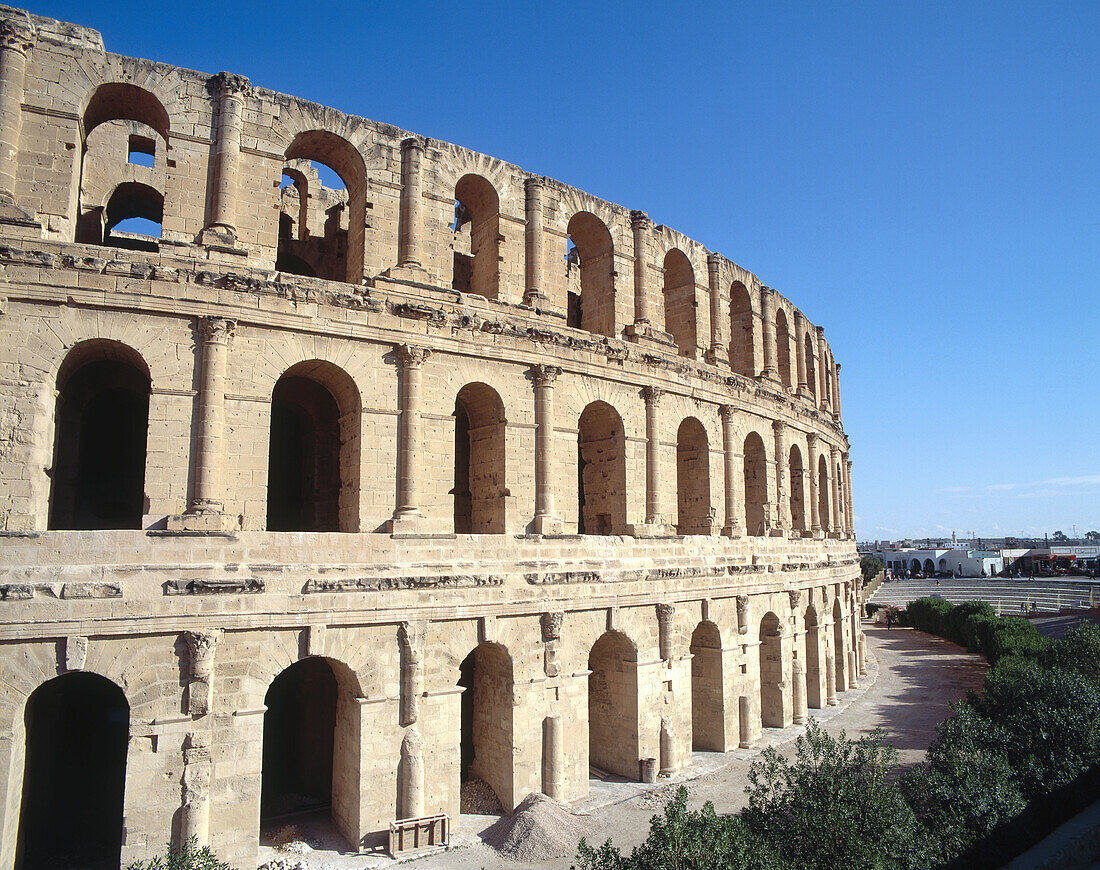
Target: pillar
411 638
815 511
822 368
666 613
411 798
848 496
16 40
782 499
553 758
853 681
862 654
230 91
654 516
732 527
767 315
411 360
641 225
800 353
830 667
215 333
714 280
200 688
197 770
838 504
534 293
410 237
799 677
546 520
836 390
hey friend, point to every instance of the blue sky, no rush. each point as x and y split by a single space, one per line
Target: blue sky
921 178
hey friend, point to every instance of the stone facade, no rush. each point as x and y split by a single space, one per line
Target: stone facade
341 497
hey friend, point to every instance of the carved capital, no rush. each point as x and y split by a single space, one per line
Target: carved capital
811 440
200 648
779 427
411 356
544 375
16 35
551 626
652 395
795 597
534 184
411 636
726 412
665 613
820 330
413 143
216 329
640 220
227 84
714 259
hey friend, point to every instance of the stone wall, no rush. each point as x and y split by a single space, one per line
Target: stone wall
451 410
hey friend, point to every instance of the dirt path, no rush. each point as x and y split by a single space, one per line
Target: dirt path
911 682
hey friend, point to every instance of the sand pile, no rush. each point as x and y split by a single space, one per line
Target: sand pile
540 828
478 797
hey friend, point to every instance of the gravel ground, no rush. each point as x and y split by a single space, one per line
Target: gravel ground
911 682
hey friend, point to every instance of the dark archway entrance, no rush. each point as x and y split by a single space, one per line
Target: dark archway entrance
708 710
693 515
756 485
480 485
771 672
486 736
299 741
100 439
77 728
602 471
613 738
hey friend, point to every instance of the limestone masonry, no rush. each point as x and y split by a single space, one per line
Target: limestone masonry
334 499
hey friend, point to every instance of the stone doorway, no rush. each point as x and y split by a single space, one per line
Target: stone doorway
486 730
613 739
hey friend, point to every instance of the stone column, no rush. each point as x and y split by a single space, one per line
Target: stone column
215 334
783 502
830 667
410 237
550 625
534 293
815 511
800 353
197 770
16 41
836 390
230 91
714 279
732 527
411 638
822 366
411 805
411 360
665 615
799 677
848 496
838 502
200 689
641 225
767 315
653 514
546 520
553 758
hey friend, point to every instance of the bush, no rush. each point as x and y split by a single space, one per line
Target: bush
870 567
1015 636
187 857
930 614
957 616
1078 651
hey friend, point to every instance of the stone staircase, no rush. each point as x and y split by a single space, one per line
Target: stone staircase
1007 597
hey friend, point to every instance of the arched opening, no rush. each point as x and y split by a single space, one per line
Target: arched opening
613 706
590 267
101 429
325 193
476 239
783 347
121 101
742 358
486 729
811 366
798 489
838 647
929 568
313 466
771 672
74 778
299 741
914 565
480 485
756 485
943 565
679 294
827 372
813 659
601 471
823 494
708 711
693 508
841 509
132 219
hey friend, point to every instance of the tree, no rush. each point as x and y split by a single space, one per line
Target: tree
1093 536
870 566
1059 536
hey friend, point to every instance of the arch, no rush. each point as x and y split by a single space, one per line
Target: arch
323 146
708 709
476 242
313 462
798 489
123 101
839 651
480 480
915 565
943 565
771 672
783 347
742 351
693 507
929 568
813 659
601 471
100 437
679 296
811 366
486 732
592 289
823 499
613 736
77 729
756 485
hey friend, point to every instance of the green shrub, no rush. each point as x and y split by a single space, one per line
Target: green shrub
1078 651
870 567
930 614
1015 636
187 857
957 616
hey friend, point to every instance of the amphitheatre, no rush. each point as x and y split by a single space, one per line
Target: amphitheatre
338 498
